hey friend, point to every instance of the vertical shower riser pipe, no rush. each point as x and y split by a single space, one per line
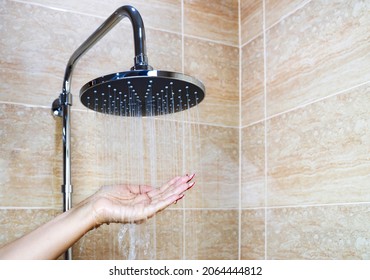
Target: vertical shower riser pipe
62 106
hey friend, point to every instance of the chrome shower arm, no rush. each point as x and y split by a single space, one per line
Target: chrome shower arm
140 60
62 106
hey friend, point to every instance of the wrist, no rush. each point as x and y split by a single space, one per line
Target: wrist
86 214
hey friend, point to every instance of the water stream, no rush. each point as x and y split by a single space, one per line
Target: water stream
139 150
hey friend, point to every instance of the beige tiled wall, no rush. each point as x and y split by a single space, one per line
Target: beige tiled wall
305 123
199 38
300 111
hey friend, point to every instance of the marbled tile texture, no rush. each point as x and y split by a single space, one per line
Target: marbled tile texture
326 160
327 232
251 21
305 129
252 85
319 50
252 234
280 145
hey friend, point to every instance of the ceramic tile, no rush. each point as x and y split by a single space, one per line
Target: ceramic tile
35 51
96 244
30 157
214 20
319 50
211 234
215 65
328 232
278 9
251 13
218 113
320 153
253 166
117 242
217 181
164 50
169 235
252 95
157 238
162 14
35 55
253 234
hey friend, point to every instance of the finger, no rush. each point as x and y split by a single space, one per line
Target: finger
172 192
170 183
161 204
178 181
180 197
191 177
176 185
163 188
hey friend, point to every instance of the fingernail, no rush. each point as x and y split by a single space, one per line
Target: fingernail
191 176
181 196
191 185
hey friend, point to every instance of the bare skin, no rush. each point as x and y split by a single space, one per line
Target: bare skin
111 204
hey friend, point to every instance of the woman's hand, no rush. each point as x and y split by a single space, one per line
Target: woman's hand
118 204
130 203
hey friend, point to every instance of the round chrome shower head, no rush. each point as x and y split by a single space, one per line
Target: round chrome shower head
142 93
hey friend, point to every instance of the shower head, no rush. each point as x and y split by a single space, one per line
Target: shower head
142 93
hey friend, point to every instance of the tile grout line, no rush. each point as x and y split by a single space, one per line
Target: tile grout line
211 41
344 91
181 33
240 137
275 23
265 121
28 208
271 207
82 110
252 39
25 105
215 208
312 205
288 14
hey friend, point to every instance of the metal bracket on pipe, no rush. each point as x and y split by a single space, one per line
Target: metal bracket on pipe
67 189
66 98
57 106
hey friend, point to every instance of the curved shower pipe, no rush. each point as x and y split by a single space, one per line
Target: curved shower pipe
61 106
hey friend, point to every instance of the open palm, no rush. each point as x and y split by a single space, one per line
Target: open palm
134 203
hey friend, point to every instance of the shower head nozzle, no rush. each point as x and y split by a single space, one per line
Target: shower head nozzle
142 93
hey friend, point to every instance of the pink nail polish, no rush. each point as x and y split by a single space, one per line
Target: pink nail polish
181 196
191 185
191 177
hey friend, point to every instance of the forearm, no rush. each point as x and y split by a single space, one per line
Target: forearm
53 238
118 204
